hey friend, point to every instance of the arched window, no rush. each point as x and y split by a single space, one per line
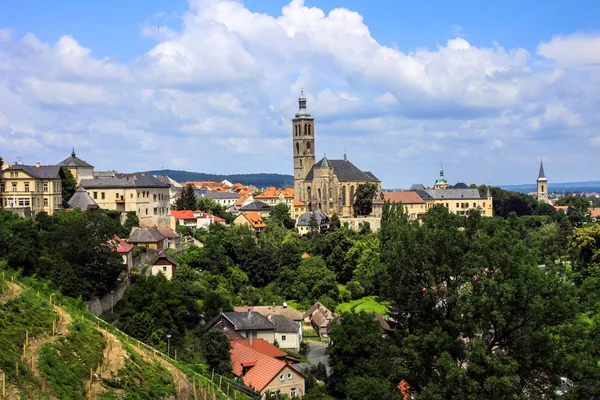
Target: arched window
309 129
343 195
300 163
330 193
319 206
352 195
297 148
319 193
542 188
305 129
330 206
308 145
309 193
309 207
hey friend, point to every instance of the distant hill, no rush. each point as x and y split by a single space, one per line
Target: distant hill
586 186
260 180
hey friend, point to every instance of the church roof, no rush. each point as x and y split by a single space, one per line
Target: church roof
74 161
542 175
344 170
453 194
304 219
82 200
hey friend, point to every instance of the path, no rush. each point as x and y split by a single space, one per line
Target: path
12 291
113 359
316 353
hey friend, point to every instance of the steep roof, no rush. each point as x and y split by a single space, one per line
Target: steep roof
41 172
74 161
82 200
403 197
273 193
145 235
164 256
344 170
255 220
263 368
256 205
542 174
262 346
298 203
167 232
126 181
287 311
317 305
284 324
250 320
417 187
304 219
454 194
122 246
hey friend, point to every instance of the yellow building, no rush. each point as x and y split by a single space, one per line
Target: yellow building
273 196
30 189
328 185
147 196
79 168
413 204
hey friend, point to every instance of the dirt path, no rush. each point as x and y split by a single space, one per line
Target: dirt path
11 392
12 291
113 360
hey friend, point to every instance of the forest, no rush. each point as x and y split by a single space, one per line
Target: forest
260 180
503 307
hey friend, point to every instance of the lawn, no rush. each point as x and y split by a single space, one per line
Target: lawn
368 304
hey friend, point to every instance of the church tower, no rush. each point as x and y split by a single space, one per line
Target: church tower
542 185
303 135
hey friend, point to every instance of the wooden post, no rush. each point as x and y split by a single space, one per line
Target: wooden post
53 327
3 374
27 337
17 367
195 394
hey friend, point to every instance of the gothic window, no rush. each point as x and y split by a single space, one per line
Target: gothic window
305 129
542 188
344 195
297 148
319 192
309 130
352 195
319 206
309 207
300 163
331 206
308 145
309 193
330 193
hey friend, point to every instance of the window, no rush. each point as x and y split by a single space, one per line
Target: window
308 145
27 187
1 187
297 148
154 197
146 211
251 335
14 185
131 195
281 377
45 187
155 210
45 202
164 268
289 376
484 204
456 205
292 392
474 205
103 195
283 337
117 195
95 195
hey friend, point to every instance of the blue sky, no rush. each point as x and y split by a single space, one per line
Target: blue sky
486 88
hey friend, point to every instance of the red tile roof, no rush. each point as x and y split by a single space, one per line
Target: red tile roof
183 214
242 199
218 219
594 212
264 347
255 219
123 246
403 197
298 203
273 193
265 368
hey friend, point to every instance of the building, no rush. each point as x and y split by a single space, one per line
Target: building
265 373
414 205
224 198
30 189
174 187
247 325
78 168
273 196
441 182
164 264
542 185
257 206
252 219
143 194
193 219
299 208
82 200
125 250
328 185
303 223
319 317
150 238
173 236
287 322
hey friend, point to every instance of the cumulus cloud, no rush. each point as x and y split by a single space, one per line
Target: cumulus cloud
218 93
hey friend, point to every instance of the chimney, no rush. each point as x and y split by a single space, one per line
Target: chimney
250 340
37 164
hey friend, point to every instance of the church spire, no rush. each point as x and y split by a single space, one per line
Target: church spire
541 175
73 152
302 111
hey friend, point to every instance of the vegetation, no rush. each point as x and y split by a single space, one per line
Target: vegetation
68 183
186 199
258 180
367 304
363 199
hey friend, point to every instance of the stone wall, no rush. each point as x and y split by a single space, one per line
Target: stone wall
98 305
354 222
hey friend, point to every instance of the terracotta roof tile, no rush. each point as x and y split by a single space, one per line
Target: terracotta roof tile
264 347
255 219
265 368
122 246
298 203
273 193
594 212
403 197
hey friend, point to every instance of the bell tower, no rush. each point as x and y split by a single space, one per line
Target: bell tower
542 185
303 143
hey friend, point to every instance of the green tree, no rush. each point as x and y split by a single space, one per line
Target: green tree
215 303
363 199
131 221
217 352
585 247
186 199
68 183
207 205
281 213
334 222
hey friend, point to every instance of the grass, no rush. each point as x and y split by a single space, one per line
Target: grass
297 305
368 304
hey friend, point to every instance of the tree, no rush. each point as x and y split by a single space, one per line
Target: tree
217 352
334 222
186 199
363 200
585 247
131 221
207 205
68 183
281 213
215 303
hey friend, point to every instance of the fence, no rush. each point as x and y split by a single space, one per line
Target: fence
227 388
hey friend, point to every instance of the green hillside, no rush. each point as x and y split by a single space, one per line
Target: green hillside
50 347
258 180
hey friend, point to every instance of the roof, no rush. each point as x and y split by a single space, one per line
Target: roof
219 195
167 232
255 220
273 193
164 256
298 203
305 256
264 347
403 197
256 205
41 172
594 212
417 187
344 170
243 198
286 311
453 194
122 246
74 161
460 185
82 200
125 181
284 324
304 219
183 214
320 317
314 307
145 235
372 176
249 320
541 175
264 368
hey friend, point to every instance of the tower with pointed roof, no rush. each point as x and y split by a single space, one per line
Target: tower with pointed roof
441 182
303 135
542 185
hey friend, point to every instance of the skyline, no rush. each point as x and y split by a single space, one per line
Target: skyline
211 86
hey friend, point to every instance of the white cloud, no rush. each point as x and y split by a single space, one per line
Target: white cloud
579 50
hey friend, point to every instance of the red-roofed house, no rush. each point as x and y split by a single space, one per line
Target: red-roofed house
273 196
126 251
594 213
412 202
252 219
193 219
265 373
264 347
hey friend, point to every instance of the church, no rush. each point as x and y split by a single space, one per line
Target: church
327 185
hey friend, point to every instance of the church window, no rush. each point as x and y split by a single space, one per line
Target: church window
309 130
300 163
309 207
344 195
309 192
297 148
319 206
331 206
308 145
542 188
352 196
305 129
330 193
319 192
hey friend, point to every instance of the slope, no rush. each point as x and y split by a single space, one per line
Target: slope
260 180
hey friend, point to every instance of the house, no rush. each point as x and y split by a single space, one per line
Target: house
273 196
594 213
78 168
148 237
265 373
264 347
303 223
224 198
164 264
30 189
248 325
287 322
125 250
414 205
252 219
299 208
285 310
173 236
82 200
319 317
144 194
257 206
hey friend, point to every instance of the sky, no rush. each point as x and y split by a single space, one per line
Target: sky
485 89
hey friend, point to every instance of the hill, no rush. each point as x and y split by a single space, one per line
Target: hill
586 186
260 180
52 348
